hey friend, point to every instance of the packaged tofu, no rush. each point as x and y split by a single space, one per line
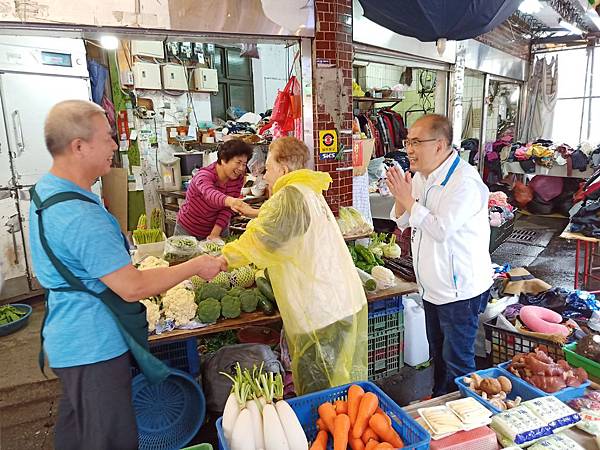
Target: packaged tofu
427 428
556 442
555 413
441 420
472 413
519 426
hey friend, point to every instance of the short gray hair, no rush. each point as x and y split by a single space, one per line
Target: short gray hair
67 121
439 125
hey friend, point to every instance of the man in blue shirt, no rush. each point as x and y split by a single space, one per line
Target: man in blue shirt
82 339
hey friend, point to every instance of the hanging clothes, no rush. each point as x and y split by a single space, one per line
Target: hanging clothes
542 95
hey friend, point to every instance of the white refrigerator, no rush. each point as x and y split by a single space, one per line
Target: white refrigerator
35 74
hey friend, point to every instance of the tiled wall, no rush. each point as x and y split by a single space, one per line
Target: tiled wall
333 46
473 104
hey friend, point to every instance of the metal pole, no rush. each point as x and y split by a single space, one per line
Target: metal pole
592 52
585 84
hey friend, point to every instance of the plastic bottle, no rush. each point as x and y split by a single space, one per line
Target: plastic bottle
416 348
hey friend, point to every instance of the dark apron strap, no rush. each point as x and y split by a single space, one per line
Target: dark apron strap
130 317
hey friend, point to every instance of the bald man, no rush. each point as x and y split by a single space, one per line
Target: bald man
89 263
446 205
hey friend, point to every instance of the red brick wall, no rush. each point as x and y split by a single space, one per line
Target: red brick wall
333 45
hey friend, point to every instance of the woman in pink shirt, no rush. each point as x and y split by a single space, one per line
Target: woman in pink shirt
214 192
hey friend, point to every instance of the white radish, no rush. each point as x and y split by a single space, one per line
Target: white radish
257 424
291 426
273 431
230 415
243 434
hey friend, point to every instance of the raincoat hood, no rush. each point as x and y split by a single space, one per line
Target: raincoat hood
317 181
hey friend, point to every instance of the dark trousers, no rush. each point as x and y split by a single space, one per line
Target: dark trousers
95 411
451 331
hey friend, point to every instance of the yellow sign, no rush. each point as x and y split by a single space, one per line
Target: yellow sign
328 144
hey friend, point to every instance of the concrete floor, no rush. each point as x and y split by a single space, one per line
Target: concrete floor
28 400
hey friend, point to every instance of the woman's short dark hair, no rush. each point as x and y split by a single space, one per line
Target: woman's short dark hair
233 148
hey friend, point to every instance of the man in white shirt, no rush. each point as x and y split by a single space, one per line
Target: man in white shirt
445 204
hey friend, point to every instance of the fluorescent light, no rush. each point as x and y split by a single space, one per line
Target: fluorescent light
109 42
514 97
569 26
530 6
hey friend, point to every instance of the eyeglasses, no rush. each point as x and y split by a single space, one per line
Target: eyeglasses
416 142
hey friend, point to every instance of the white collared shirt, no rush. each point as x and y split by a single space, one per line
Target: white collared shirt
450 232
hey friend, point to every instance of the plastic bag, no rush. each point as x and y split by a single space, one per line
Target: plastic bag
258 162
318 291
216 386
523 194
179 249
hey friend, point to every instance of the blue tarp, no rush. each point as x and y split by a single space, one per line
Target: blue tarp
430 20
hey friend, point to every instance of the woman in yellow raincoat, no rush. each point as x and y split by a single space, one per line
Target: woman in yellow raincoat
318 291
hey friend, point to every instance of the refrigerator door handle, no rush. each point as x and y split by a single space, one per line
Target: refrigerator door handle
18 130
14 239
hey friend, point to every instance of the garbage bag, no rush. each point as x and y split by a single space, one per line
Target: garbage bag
318 291
217 386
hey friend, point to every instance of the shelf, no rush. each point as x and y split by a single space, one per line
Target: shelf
402 287
376 100
255 318
355 238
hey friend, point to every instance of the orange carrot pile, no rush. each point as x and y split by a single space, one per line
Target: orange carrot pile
358 423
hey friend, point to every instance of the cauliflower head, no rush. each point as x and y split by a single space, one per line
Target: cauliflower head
179 304
152 313
152 262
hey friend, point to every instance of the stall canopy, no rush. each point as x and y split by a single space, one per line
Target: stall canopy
430 20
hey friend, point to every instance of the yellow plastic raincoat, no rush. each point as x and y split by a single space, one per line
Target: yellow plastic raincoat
318 291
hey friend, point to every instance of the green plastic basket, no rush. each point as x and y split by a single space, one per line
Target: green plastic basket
591 367
199 447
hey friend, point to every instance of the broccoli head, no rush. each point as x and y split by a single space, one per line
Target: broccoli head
210 290
230 307
236 291
249 301
209 310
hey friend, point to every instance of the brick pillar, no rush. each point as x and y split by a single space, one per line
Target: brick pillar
332 92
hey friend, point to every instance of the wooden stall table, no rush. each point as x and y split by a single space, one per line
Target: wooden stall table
589 245
256 318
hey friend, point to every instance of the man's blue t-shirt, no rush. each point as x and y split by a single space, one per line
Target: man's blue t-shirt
87 239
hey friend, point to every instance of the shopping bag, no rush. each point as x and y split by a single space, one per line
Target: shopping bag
283 103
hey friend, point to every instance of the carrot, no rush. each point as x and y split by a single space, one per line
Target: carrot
355 394
321 424
383 446
368 406
368 435
320 441
356 444
341 429
384 431
341 407
389 420
371 444
327 414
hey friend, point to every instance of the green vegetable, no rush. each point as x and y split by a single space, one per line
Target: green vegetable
353 253
10 314
266 306
151 236
141 225
365 266
249 301
265 288
156 220
368 281
236 291
209 310
211 344
210 290
365 254
378 260
392 250
230 307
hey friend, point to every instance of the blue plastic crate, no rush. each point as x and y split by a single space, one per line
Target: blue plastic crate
564 395
519 387
181 355
385 316
305 407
